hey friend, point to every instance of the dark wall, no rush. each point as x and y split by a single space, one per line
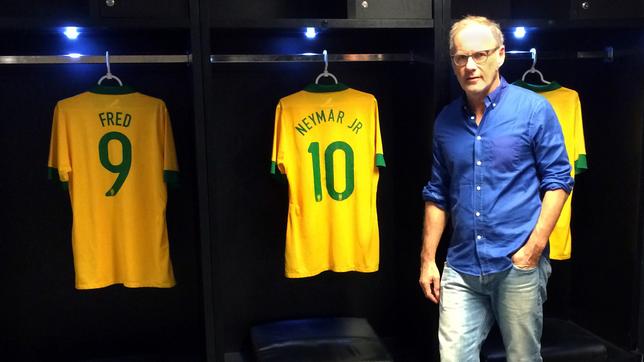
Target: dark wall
44 317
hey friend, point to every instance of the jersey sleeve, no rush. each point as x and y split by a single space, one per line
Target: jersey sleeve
380 158
170 164
59 163
579 156
277 158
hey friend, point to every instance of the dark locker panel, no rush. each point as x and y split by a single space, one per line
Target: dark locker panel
398 9
605 9
495 9
512 9
64 9
544 9
278 9
160 9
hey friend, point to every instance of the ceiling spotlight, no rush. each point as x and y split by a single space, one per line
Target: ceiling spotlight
71 32
310 33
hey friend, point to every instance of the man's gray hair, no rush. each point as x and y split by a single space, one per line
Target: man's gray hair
481 20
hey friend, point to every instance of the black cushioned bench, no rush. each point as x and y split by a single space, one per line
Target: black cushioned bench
318 340
562 341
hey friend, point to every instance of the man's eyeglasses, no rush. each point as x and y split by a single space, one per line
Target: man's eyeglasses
479 57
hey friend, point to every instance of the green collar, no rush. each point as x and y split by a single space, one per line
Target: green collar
538 88
103 89
322 88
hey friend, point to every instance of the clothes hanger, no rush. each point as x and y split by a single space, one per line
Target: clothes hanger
109 74
532 69
326 72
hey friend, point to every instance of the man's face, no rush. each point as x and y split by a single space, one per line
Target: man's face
477 41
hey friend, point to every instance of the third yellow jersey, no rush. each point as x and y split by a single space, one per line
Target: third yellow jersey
567 106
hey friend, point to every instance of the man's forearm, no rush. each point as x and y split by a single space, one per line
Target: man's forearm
433 227
551 206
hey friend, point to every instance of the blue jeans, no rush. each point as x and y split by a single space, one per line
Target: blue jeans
469 305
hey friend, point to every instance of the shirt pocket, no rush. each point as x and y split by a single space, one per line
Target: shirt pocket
504 153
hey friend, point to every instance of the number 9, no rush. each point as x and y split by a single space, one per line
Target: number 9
123 169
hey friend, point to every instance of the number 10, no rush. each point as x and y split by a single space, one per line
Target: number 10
314 150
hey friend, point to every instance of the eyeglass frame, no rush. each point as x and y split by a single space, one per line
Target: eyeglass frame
487 53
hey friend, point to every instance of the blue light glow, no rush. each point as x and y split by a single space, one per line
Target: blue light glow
71 32
310 33
74 55
519 32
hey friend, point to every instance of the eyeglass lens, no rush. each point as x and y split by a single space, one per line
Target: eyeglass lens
478 57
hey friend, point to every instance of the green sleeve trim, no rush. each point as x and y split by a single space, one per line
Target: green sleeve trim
277 174
280 178
274 168
380 160
52 174
581 164
171 178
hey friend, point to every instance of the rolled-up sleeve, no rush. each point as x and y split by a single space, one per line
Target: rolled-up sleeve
553 166
437 189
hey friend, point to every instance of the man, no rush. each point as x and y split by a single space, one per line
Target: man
501 172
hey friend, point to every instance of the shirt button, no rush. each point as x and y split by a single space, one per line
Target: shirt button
478 188
478 163
472 117
478 138
493 104
478 213
478 237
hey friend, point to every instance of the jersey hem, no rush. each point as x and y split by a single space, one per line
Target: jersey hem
127 285
560 256
336 270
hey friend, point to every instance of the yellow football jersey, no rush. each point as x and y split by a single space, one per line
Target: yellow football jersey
566 104
114 149
327 143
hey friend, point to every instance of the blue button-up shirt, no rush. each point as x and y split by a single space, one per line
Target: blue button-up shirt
490 177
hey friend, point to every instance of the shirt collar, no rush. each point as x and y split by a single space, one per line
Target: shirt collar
324 88
494 97
491 99
103 89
